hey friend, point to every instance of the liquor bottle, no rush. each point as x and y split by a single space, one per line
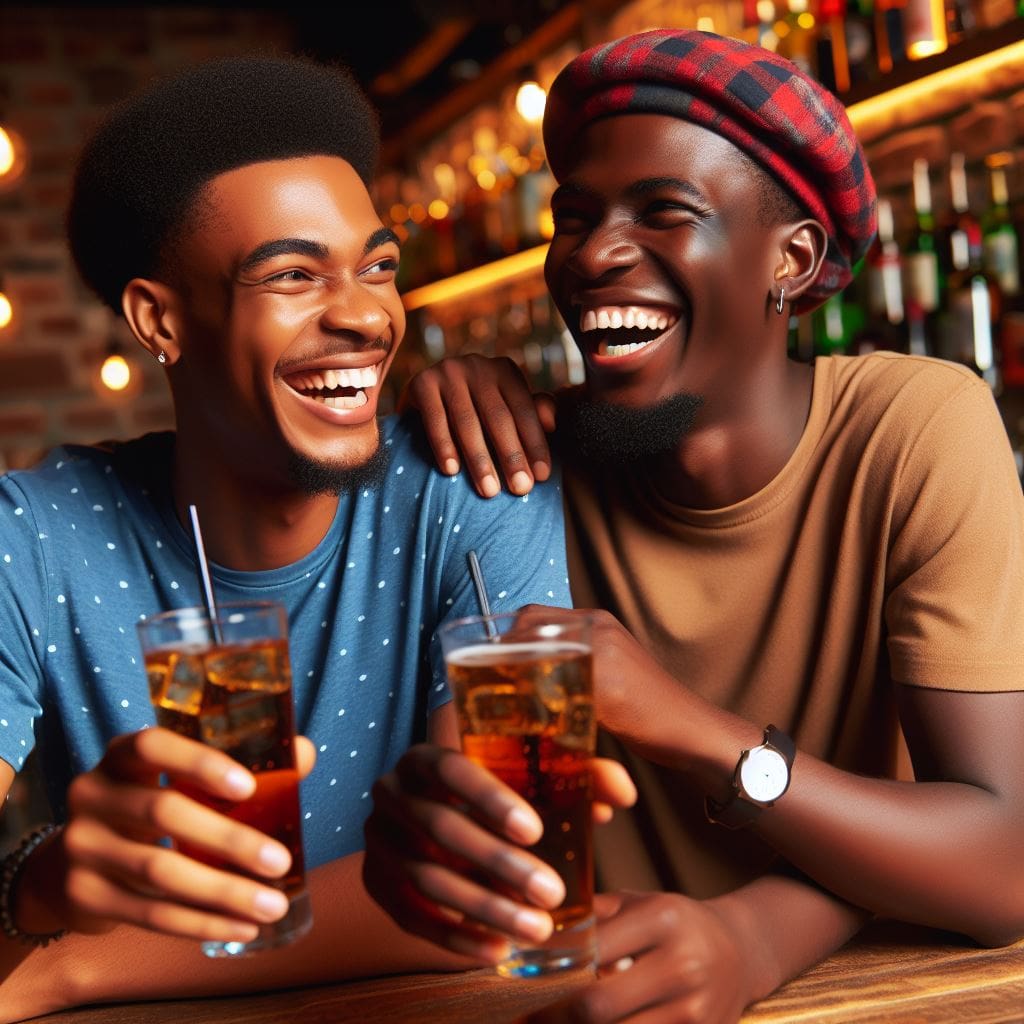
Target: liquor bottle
886 326
890 43
860 41
972 302
924 28
833 59
960 222
922 286
1001 244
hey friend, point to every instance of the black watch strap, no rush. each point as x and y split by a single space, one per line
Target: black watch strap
737 811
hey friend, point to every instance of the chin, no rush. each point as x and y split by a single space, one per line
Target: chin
315 474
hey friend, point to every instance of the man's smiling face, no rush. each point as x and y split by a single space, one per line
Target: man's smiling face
661 263
291 318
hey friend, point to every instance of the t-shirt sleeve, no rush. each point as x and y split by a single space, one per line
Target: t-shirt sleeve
955 580
22 625
520 543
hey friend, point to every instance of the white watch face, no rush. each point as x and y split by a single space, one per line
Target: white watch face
764 774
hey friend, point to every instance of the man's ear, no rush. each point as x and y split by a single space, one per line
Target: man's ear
152 311
803 250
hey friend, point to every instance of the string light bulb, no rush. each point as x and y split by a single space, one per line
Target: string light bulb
530 100
115 372
13 157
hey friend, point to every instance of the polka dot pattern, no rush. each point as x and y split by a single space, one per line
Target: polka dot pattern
364 607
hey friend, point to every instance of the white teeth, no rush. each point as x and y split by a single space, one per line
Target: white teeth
331 379
621 350
614 317
344 401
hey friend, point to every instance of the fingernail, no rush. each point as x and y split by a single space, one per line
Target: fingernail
239 781
522 826
274 859
270 905
533 925
545 889
451 466
541 470
520 482
489 485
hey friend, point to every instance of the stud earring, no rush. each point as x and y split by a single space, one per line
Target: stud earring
780 301
161 358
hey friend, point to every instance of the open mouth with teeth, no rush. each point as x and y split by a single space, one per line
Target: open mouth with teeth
337 389
625 329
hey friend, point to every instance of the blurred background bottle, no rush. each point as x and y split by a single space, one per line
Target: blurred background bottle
922 283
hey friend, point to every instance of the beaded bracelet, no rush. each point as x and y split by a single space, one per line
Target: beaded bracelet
9 872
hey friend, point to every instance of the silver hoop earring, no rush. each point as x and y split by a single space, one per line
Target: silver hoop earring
780 301
161 358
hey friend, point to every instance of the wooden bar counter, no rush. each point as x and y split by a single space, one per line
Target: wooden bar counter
891 974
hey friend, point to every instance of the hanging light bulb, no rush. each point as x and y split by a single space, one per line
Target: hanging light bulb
13 157
6 310
530 99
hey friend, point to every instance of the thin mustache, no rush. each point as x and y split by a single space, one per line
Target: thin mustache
338 347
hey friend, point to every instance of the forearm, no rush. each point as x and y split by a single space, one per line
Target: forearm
943 854
789 925
351 938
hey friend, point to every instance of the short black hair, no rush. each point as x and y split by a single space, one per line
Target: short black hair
139 175
775 204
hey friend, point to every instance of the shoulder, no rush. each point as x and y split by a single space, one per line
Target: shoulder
881 378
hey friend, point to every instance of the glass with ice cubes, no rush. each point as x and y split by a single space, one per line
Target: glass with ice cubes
524 694
226 681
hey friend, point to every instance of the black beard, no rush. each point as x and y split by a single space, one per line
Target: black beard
617 434
317 478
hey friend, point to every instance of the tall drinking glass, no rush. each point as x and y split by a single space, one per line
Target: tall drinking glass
226 681
524 693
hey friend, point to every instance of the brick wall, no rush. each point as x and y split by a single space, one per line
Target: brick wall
60 68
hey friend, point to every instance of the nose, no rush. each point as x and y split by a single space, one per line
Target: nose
354 308
605 249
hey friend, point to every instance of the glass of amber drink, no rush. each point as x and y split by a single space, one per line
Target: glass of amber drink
226 681
524 695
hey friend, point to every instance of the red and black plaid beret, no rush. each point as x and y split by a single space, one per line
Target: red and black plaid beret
761 102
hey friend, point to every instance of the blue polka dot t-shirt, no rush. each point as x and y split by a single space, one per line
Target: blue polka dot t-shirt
89 545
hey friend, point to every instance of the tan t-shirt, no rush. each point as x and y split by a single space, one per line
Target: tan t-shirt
890 548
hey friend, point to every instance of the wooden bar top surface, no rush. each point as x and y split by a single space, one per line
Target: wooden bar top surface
891 974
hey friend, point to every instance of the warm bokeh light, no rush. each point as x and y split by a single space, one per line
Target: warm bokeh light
486 179
115 373
6 311
399 213
13 157
438 209
530 99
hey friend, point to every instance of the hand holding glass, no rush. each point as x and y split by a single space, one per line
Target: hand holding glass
524 695
226 682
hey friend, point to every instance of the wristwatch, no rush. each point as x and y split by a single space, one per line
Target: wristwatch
761 777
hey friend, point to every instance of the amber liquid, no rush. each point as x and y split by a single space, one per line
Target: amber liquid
526 713
238 698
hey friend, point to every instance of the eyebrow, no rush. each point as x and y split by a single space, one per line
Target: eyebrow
642 187
306 247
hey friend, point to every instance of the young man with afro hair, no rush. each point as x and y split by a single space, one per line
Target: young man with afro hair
225 212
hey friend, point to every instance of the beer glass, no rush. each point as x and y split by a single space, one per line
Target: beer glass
226 681
524 695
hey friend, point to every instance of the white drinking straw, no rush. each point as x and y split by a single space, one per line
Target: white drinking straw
481 593
204 574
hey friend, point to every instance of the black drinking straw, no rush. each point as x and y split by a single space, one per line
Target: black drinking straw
204 574
481 592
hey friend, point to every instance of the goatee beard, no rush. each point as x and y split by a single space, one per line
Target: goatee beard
314 477
617 434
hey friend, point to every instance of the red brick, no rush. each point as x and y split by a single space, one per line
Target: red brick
38 292
22 419
42 372
53 195
108 84
45 229
91 419
69 323
49 94
53 159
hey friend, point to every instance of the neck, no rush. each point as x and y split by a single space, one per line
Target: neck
740 442
249 522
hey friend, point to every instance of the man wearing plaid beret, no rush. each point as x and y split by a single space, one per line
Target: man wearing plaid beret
817 569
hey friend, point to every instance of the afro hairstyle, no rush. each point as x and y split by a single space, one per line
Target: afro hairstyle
138 176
